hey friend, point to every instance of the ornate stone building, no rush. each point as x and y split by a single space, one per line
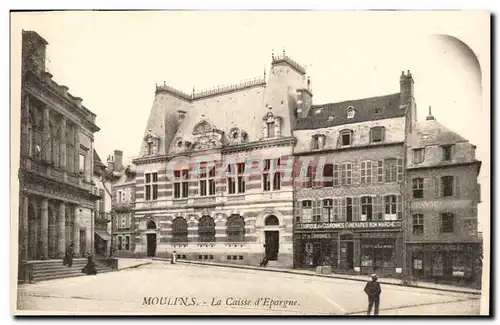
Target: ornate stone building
57 194
197 213
349 198
443 195
123 197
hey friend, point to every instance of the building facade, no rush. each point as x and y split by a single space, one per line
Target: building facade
57 196
123 198
102 219
349 195
216 209
443 195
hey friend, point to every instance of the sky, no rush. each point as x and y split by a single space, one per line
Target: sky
114 59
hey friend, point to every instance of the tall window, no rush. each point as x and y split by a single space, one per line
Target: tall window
270 130
346 138
306 211
447 152
336 181
366 172
316 213
311 174
81 163
447 222
181 184
328 175
447 184
418 224
266 175
349 209
346 173
336 210
101 201
377 134
390 170
273 174
241 178
206 229
327 210
207 181
231 182
150 148
277 176
179 230
315 142
418 155
151 186
390 203
235 229
366 208
418 188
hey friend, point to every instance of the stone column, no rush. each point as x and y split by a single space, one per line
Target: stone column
45 228
77 149
76 230
61 230
62 144
47 154
23 235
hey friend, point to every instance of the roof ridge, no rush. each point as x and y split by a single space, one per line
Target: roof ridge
353 100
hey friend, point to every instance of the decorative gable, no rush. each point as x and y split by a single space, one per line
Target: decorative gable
271 126
206 136
152 143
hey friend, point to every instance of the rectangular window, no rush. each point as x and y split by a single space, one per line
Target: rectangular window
327 210
266 177
151 187
231 182
390 170
101 202
366 172
346 173
348 211
366 208
446 222
417 264
418 188
311 174
377 134
306 211
127 243
336 210
206 180
447 185
346 138
316 213
81 163
211 181
118 196
185 183
418 155
270 130
328 175
177 184
380 171
390 207
241 178
336 175
447 153
418 224
277 175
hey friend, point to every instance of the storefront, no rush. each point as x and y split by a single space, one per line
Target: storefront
359 247
445 263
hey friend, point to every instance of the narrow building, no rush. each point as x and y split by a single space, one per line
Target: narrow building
57 194
102 219
350 182
442 235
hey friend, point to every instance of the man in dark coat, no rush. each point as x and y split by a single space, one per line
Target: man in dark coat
90 268
264 258
373 291
68 256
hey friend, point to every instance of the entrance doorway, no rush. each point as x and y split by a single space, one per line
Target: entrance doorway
151 244
346 254
272 245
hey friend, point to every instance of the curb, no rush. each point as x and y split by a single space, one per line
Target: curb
134 266
322 276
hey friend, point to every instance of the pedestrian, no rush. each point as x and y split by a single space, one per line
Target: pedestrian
264 258
68 255
90 268
373 291
173 259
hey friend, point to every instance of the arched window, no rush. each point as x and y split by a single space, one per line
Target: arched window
235 228
179 230
151 225
206 229
272 220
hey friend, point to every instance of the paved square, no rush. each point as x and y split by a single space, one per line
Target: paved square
162 288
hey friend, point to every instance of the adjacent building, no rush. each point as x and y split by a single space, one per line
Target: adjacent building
123 229
57 196
236 218
349 201
443 195
102 219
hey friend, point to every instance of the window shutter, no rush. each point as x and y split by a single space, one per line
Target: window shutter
343 209
319 208
400 170
456 183
437 187
382 131
355 208
362 172
399 206
452 152
380 171
355 172
374 172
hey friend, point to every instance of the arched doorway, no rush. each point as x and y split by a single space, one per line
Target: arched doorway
151 238
272 237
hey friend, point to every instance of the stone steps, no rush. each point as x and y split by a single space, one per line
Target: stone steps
54 269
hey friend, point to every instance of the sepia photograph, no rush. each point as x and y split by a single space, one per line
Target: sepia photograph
250 163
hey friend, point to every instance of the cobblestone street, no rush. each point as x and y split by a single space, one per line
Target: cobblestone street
162 288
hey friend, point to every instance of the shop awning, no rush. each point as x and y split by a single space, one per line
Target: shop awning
103 234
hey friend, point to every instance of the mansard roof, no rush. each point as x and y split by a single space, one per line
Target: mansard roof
432 133
365 109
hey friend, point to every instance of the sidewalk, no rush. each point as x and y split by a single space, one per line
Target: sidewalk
362 278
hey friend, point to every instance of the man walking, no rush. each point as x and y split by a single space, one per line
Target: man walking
373 291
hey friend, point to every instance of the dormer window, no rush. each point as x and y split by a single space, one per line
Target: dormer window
271 127
318 141
350 112
345 138
152 143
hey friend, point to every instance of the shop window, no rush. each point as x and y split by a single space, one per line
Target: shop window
378 253
418 224
447 223
418 188
328 175
366 172
179 230
151 187
366 208
235 228
390 207
418 155
306 211
437 264
206 229
390 166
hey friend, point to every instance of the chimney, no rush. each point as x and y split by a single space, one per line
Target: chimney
111 164
406 88
180 116
118 160
34 48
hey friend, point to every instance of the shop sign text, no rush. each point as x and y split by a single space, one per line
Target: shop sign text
350 225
